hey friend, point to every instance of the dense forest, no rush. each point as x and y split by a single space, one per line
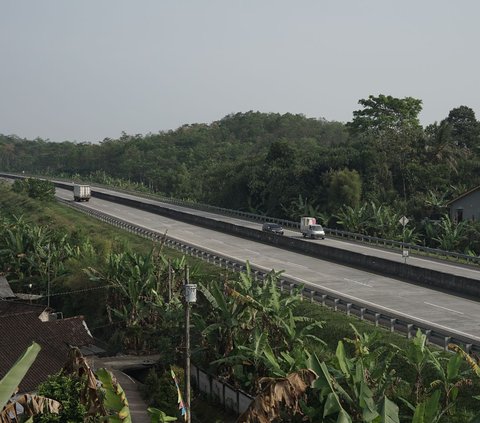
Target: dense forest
285 165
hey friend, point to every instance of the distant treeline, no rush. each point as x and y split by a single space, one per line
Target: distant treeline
283 165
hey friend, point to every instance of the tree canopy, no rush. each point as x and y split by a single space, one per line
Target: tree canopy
265 162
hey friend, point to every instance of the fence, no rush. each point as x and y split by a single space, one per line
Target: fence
232 399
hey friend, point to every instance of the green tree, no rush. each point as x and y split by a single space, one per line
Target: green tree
345 189
386 114
465 127
392 127
35 188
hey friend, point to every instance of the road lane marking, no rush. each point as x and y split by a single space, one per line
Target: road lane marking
386 309
289 263
360 283
444 308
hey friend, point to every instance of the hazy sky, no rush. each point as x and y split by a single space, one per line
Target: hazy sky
86 70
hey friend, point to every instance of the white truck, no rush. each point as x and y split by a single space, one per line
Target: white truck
81 192
309 228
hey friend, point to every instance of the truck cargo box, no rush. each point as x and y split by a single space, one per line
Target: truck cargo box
81 192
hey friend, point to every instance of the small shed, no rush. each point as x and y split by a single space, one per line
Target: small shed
466 206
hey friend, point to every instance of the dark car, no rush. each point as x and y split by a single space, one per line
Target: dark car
272 227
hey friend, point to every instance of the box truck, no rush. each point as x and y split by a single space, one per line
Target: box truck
309 228
81 192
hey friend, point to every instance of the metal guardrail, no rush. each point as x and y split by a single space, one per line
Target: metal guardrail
394 322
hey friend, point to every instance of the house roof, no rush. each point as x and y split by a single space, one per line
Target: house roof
465 194
21 326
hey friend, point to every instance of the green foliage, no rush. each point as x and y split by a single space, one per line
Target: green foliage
35 188
14 376
159 416
282 165
252 328
465 127
139 298
33 254
357 387
68 390
160 391
345 189
386 113
115 400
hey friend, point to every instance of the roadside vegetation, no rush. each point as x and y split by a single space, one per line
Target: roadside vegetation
361 176
302 362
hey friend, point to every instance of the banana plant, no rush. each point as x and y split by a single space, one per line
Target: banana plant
14 376
474 365
115 401
134 280
30 404
227 325
353 219
417 356
158 416
450 234
277 395
354 389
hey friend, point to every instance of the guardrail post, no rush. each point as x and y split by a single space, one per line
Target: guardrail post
409 330
292 286
428 332
446 341
312 295
468 348
392 325
377 318
349 307
281 285
362 313
335 304
324 297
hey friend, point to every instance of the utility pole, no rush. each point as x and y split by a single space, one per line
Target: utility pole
170 278
190 297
